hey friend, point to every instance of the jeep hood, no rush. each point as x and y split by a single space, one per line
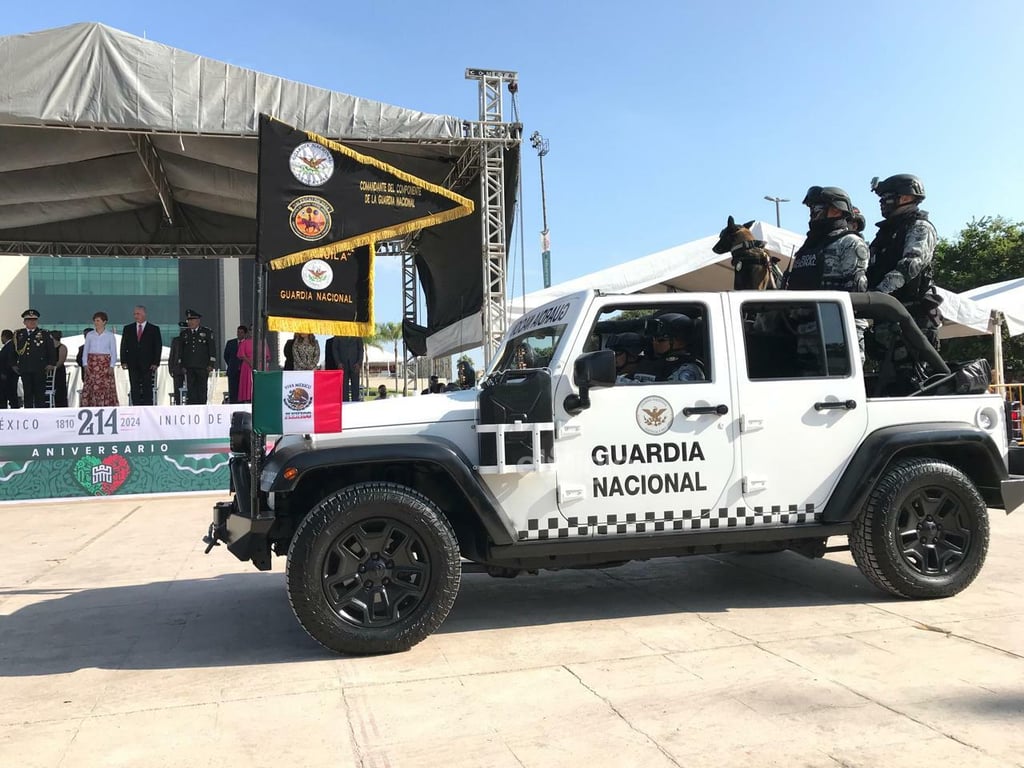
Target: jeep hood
405 415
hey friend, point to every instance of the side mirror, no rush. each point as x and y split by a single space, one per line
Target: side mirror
592 370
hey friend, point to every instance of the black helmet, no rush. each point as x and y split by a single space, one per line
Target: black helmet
833 196
630 343
672 324
900 184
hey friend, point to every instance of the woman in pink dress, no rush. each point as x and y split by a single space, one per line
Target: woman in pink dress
245 354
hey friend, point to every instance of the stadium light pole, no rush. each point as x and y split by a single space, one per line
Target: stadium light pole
777 200
542 146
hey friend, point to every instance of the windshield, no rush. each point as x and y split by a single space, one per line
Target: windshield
532 349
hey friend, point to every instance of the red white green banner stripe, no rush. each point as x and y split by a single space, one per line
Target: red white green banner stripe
296 402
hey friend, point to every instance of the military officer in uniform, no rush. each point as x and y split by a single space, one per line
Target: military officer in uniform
198 356
36 356
902 252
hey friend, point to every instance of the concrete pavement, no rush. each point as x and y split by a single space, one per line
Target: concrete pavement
121 644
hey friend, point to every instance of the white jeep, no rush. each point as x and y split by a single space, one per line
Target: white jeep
560 460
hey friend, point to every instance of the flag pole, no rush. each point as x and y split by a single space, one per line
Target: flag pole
257 442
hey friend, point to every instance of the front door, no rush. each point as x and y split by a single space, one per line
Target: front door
654 456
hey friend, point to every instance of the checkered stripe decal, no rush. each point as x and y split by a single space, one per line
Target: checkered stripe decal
669 520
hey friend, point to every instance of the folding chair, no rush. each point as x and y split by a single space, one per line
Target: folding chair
49 391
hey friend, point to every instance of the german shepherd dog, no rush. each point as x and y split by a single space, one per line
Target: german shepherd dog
755 268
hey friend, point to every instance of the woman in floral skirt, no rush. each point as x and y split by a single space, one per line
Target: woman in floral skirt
100 357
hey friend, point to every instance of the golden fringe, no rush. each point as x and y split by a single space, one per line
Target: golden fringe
381 165
301 257
322 327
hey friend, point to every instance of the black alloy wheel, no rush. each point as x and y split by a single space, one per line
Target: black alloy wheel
376 572
934 530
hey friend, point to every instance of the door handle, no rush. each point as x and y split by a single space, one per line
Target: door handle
847 405
719 410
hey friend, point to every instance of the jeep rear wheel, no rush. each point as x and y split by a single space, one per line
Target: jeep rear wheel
924 531
373 568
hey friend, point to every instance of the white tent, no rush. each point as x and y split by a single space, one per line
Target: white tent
693 266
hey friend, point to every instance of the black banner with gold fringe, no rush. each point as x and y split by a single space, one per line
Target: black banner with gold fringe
317 197
331 294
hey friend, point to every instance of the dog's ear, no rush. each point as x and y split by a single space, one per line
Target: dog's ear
731 222
749 224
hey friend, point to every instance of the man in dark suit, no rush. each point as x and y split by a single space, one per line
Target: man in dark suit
329 362
141 347
348 357
234 365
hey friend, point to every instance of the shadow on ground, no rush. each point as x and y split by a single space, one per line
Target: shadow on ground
241 619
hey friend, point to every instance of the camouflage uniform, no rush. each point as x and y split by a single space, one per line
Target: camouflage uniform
901 265
838 261
834 261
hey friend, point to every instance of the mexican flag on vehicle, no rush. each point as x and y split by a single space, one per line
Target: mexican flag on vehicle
296 402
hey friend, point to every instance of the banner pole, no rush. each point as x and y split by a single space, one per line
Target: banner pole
257 445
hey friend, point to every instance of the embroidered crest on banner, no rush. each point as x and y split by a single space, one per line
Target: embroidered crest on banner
310 217
317 274
311 163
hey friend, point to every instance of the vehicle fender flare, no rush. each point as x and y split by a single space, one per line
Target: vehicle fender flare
438 452
941 440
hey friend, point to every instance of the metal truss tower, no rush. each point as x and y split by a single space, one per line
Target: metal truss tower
494 135
490 137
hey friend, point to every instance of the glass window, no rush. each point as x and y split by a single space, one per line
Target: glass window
656 343
795 340
532 349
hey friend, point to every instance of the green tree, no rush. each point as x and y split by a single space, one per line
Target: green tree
389 333
987 250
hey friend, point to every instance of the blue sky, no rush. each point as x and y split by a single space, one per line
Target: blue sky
663 117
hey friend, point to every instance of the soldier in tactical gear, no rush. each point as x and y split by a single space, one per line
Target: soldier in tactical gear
628 348
198 356
833 257
902 254
670 358
36 356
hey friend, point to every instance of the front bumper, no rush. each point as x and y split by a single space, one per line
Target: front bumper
243 529
1013 493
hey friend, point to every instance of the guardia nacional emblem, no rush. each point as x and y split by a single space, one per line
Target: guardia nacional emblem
311 163
310 217
654 415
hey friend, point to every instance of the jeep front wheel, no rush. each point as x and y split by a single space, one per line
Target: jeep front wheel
373 568
924 531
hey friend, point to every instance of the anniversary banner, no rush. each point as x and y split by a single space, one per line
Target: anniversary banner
332 294
80 452
316 197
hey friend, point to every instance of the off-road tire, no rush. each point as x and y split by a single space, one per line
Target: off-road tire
923 532
338 561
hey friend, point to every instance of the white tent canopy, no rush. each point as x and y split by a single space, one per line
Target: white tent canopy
692 266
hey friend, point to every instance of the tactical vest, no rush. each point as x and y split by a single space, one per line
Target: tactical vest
807 272
887 251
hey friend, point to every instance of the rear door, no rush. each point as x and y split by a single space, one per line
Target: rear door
801 401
